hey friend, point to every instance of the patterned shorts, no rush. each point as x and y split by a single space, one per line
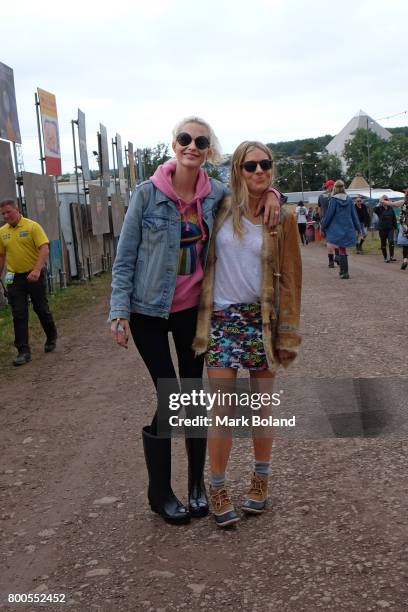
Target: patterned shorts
236 338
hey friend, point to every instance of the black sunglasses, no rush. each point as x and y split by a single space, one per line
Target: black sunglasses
201 142
251 166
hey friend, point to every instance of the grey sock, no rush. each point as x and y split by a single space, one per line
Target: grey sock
218 481
262 467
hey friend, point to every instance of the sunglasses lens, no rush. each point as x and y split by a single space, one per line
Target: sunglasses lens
184 139
266 164
250 166
202 142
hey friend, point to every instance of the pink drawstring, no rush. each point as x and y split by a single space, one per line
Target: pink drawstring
200 219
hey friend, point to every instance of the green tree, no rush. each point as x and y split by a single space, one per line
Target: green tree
330 167
212 171
384 162
365 154
154 157
396 161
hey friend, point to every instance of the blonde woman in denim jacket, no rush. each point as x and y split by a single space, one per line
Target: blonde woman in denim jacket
156 285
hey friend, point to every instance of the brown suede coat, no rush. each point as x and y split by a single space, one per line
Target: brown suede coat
281 288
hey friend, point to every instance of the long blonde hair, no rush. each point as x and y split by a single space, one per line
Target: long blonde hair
338 187
239 189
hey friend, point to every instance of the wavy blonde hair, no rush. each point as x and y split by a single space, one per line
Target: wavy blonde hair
338 187
214 152
239 189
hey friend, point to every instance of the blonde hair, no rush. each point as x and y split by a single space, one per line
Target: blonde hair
214 152
338 187
239 189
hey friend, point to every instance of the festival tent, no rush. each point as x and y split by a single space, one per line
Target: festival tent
359 121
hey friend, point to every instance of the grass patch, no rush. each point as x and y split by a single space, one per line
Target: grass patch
64 303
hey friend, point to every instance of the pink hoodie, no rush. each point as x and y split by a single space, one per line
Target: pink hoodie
188 286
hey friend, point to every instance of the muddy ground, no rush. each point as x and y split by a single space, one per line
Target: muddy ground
73 512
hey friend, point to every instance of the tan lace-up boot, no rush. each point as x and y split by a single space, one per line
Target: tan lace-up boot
223 509
255 500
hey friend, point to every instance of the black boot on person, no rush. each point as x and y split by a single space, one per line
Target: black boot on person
197 496
344 266
160 494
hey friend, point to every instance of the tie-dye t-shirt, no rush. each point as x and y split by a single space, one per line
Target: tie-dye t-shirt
190 269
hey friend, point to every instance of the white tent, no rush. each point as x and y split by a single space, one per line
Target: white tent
361 120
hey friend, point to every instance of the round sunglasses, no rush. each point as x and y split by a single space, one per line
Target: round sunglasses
251 166
201 142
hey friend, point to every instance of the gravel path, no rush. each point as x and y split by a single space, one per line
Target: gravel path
73 512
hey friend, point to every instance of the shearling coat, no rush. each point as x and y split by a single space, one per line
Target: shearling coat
280 289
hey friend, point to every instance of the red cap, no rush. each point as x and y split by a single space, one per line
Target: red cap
329 183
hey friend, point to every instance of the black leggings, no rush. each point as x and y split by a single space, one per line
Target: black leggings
405 252
384 236
150 335
302 231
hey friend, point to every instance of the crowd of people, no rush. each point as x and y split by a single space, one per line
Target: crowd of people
345 223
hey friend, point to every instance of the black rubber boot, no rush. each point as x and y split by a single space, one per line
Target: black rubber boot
161 497
341 270
197 496
344 266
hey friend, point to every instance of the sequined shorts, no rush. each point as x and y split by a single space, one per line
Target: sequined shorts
236 338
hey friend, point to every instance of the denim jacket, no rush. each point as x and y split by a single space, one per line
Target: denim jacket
145 270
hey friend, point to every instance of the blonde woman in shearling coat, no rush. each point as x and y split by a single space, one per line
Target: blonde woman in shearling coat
249 312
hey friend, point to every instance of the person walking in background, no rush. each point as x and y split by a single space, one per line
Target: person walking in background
24 248
402 240
387 224
364 218
341 224
301 217
316 215
249 314
323 203
156 286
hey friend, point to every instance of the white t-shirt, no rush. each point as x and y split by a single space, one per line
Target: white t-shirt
238 271
301 213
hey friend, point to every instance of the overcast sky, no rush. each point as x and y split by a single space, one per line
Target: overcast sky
265 69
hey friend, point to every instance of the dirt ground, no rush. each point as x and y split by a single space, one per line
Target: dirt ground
74 518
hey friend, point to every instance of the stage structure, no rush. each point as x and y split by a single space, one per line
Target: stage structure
50 155
41 202
47 105
7 180
140 168
103 155
98 198
83 152
120 185
9 125
118 213
81 225
130 162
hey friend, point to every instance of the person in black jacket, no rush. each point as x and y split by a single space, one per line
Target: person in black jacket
386 227
364 218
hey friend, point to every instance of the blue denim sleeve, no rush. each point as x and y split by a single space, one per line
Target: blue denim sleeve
125 262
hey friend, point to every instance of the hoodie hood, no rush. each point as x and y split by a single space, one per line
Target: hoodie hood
342 198
162 179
